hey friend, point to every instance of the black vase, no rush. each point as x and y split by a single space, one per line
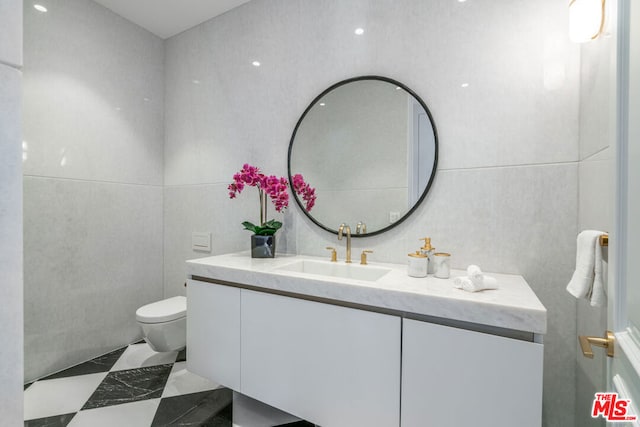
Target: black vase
263 246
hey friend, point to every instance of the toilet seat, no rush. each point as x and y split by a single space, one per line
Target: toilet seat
163 311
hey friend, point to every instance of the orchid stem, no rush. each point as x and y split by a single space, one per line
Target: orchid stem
263 206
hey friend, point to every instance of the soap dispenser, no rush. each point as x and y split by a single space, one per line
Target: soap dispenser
428 250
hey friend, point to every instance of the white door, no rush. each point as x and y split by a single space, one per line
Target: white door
624 304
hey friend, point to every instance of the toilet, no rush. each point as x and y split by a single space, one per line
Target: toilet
164 323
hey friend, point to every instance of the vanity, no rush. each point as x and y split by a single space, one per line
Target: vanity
351 345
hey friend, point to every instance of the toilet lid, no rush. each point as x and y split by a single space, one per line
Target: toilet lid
163 311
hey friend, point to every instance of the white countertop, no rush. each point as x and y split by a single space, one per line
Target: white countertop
513 306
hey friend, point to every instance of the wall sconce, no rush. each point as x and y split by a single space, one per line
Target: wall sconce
586 19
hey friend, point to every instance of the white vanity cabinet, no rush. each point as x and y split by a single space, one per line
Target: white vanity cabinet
391 352
455 377
331 365
213 332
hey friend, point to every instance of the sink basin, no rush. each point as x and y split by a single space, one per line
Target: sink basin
332 269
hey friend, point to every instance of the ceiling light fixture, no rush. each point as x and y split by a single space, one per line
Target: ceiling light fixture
586 20
256 63
359 31
464 85
39 8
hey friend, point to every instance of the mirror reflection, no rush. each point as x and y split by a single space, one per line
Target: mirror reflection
369 147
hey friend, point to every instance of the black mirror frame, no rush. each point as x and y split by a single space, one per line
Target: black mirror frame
435 158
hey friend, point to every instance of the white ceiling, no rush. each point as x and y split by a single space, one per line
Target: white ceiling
166 18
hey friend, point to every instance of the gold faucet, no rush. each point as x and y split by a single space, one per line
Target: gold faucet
361 227
344 228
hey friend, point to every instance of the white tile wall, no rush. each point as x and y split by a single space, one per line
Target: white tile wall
595 212
11 314
205 208
596 196
596 200
11 40
597 95
506 193
98 81
93 162
93 253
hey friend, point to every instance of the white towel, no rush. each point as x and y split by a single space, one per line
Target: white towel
587 281
598 295
475 281
474 272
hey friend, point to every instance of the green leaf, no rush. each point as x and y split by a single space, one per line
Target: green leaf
269 228
264 231
249 226
273 224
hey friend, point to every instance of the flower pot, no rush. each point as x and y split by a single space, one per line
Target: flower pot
263 246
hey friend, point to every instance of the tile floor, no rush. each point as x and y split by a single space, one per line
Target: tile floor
137 387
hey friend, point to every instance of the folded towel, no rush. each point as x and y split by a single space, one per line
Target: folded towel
587 280
468 284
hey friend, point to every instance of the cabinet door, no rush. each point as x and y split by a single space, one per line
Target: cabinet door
454 377
333 366
213 332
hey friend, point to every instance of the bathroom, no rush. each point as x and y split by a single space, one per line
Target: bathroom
127 141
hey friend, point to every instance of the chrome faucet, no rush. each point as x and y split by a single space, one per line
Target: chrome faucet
344 228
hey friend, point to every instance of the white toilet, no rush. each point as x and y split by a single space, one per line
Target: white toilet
164 323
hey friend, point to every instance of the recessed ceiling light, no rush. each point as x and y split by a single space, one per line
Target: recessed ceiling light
359 31
464 85
322 104
256 63
461 1
195 81
39 8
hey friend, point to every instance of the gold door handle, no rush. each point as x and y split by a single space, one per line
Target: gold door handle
606 342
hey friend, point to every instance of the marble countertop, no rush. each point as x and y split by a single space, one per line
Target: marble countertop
513 306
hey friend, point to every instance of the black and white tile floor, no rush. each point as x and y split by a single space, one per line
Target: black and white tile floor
137 387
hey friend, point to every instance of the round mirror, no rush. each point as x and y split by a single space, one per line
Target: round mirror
369 147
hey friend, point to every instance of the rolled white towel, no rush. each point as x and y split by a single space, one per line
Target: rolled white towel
462 282
467 284
474 272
